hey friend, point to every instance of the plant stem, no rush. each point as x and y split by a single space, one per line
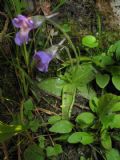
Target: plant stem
26 56
69 55
67 37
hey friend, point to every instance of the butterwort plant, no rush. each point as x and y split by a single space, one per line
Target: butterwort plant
43 58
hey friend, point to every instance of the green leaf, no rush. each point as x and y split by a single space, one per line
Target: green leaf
106 140
93 103
106 103
114 70
116 82
66 27
28 105
89 41
82 158
118 52
85 119
116 107
33 152
52 85
34 125
68 98
107 120
54 119
58 149
62 138
41 140
112 154
54 151
86 91
28 108
79 75
115 49
111 50
50 151
103 60
116 121
102 80
62 126
81 137
7 131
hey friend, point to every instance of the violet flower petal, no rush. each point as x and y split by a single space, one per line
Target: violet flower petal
25 24
18 21
21 37
42 60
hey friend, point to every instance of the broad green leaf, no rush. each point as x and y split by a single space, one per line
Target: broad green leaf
116 107
93 103
116 82
106 103
86 91
102 80
54 119
68 98
79 75
102 60
85 119
62 126
54 151
83 74
116 121
81 137
106 140
52 86
112 154
33 152
107 120
90 41
7 131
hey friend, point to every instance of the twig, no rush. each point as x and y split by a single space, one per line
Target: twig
45 111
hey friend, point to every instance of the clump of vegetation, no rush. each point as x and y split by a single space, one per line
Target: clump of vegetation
51 73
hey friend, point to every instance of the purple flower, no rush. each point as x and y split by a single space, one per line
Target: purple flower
25 24
42 60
